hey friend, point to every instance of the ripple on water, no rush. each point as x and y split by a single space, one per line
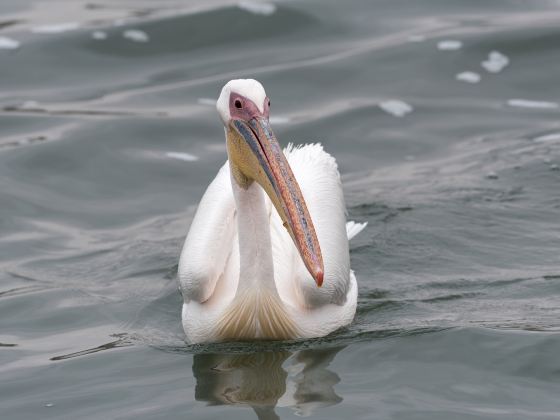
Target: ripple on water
458 271
56 28
257 7
530 104
99 35
7 43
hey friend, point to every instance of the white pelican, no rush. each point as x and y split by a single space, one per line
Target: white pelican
248 272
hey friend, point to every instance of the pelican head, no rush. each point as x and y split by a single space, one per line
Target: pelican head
255 155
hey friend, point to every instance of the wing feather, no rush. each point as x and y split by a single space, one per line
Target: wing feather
353 228
209 241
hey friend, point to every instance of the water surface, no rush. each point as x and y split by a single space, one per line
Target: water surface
108 141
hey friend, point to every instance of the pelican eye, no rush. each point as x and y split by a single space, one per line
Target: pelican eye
238 104
269 103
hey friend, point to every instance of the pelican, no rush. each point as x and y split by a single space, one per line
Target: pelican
267 255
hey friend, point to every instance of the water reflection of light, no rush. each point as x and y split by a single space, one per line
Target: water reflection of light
301 380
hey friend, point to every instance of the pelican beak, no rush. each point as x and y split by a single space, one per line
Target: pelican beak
256 154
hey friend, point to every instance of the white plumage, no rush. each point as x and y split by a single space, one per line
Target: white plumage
263 289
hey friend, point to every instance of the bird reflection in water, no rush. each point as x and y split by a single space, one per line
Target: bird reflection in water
264 381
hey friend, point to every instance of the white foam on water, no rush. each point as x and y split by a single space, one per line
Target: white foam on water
496 62
548 138
416 38
136 35
525 103
187 157
395 107
8 43
99 35
30 105
120 22
56 28
449 45
206 101
279 120
216 147
257 8
468 76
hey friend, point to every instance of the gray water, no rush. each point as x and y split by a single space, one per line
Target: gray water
106 146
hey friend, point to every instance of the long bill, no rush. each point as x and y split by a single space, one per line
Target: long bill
272 171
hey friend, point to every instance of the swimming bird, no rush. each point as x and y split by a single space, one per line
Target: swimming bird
267 254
